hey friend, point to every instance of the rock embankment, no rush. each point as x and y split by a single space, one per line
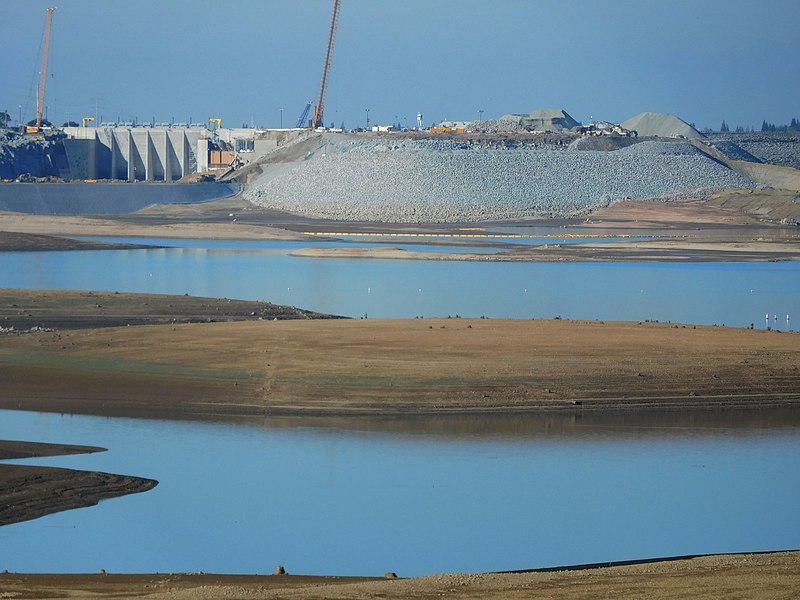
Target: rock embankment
782 149
428 180
21 156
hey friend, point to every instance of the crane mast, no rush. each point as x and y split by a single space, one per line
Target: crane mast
48 27
319 109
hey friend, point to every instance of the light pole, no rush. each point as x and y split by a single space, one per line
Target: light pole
480 117
19 121
281 118
367 119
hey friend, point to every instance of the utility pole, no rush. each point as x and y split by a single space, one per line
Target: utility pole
367 119
281 118
480 117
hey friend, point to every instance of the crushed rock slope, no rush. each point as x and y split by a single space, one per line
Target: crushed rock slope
407 180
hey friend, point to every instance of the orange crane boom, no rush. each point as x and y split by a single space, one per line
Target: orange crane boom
319 109
48 27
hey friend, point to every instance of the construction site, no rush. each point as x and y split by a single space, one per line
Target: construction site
540 164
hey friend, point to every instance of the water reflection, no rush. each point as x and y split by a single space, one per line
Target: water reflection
417 497
733 294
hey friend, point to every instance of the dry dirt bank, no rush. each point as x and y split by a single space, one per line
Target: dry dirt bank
752 576
685 250
28 492
380 367
184 226
24 309
737 225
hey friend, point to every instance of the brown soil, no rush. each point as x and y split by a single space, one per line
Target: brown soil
25 309
18 449
31 492
28 492
752 576
683 250
23 242
393 367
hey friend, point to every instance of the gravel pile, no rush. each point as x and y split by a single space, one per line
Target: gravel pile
774 148
648 124
734 151
448 181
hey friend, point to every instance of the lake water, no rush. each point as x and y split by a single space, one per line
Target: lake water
426 496
416 497
734 294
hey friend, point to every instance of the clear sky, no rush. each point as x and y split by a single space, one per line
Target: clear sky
245 60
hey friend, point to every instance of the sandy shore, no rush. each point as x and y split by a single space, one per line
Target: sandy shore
752 576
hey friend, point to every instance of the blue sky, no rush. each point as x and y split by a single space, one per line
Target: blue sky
244 60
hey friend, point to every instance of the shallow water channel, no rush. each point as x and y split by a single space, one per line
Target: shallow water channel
416 497
734 294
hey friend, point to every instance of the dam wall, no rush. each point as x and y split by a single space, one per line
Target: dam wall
135 154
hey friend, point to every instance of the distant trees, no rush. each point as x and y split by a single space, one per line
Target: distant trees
45 123
5 118
794 126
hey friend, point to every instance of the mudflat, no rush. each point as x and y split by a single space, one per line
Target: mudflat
28 492
734 225
754 576
396 367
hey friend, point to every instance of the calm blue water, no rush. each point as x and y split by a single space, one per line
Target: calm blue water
734 294
428 497
329 500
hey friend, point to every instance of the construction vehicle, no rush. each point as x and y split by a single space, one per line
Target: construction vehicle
301 122
319 109
86 120
48 27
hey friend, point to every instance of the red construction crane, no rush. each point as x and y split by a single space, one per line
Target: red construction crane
319 109
48 27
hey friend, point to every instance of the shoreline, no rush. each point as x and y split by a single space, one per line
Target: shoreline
728 226
759 576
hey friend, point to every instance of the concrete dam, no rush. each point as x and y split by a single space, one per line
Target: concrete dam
97 166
